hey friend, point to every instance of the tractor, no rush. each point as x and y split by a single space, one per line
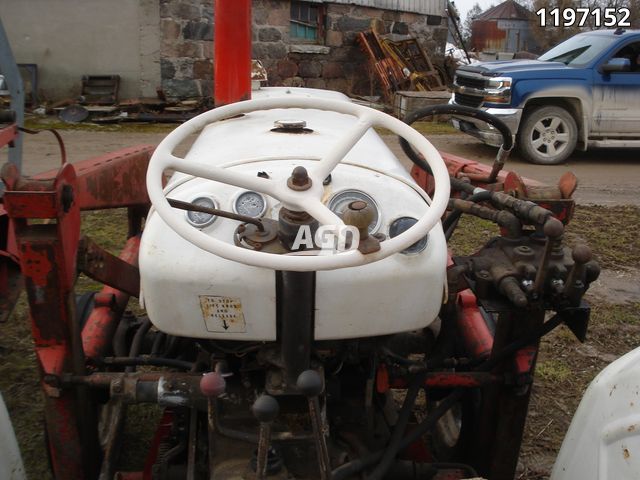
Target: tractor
298 313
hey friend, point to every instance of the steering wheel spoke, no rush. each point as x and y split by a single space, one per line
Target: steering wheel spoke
222 175
321 213
342 147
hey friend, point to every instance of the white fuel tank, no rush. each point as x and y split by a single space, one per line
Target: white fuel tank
603 441
190 292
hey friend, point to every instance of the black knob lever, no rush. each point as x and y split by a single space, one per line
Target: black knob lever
310 384
265 409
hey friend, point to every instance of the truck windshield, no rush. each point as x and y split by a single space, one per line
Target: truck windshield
578 51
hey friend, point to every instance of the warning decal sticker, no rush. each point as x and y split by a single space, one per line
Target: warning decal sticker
223 314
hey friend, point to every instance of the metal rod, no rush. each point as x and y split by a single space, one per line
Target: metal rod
296 314
211 431
191 449
191 207
320 439
263 450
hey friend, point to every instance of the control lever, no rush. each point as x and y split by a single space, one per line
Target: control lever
553 229
311 385
575 285
265 409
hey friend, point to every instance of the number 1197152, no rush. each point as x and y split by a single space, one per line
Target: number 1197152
569 17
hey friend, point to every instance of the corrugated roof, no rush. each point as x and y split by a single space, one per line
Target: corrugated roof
509 10
424 7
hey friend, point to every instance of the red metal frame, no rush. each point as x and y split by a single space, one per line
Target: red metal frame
109 305
232 80
8 135
43 234
475 333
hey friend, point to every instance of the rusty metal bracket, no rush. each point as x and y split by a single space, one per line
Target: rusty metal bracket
116 179
102 266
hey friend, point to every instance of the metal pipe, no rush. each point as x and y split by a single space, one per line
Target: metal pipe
296 299
12 75
192 207
232 51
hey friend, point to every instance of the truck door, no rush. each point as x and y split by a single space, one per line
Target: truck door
616 96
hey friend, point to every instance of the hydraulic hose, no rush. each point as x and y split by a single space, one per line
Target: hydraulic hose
401 425
523 209
503 218
355 466
449 223
136 344
507 139
476 196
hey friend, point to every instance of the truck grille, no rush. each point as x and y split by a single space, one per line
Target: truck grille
468 100
471 82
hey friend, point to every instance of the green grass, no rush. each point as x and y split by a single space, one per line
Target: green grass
427 128
553 370
471 234
616 315
108 228
612 233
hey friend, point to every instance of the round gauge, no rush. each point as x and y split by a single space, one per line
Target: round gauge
340 201
251 204
401 225
200 219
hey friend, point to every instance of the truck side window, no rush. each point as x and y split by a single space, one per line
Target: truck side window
632 52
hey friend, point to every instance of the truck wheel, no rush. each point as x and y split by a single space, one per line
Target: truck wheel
547 135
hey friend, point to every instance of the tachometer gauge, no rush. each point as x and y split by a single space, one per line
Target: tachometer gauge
340 201
401 225
251 204
200 219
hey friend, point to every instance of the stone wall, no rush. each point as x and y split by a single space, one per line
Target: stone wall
186 52
186 47
339 63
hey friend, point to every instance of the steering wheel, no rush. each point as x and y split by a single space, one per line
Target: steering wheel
294 199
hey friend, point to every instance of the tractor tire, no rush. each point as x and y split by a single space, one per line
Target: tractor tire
547 135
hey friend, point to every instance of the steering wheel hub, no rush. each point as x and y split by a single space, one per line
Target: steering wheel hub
299 180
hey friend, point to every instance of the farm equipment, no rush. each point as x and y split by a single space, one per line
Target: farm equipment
301 315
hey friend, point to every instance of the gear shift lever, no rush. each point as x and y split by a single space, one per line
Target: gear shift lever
310 384
265 409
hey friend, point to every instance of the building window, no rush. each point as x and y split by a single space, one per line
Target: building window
306 22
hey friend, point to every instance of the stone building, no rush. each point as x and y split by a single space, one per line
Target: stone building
169 43
301 43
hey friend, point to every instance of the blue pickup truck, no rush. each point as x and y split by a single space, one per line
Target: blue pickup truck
583 93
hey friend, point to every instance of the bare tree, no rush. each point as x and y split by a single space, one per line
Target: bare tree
466 27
